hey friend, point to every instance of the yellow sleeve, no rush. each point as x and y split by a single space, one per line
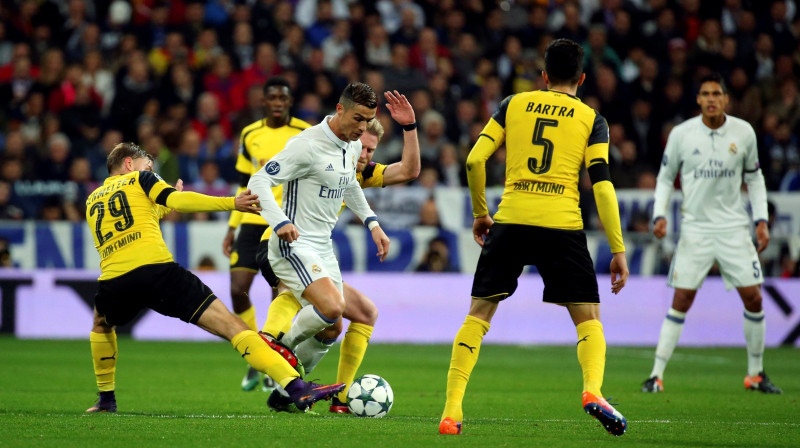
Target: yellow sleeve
490 139
596 160
243 163
190 202
372 176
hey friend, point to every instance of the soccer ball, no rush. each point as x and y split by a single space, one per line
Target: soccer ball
370 396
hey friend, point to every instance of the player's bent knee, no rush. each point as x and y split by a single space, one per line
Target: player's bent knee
366 313
332 309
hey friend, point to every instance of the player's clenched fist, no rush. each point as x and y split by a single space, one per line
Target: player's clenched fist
288 232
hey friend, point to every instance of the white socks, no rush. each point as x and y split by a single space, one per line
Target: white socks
671 331
308 323
311 351
755 329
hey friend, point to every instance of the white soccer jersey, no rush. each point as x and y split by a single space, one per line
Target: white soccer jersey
318 171
711 163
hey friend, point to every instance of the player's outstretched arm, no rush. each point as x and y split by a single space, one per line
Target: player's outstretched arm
408 167
190 202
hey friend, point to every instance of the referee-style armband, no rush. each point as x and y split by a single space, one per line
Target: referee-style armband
372 222
599 171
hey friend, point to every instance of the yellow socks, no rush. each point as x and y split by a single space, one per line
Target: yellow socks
104 356
258 354
280 314
592 355
351 353
466 347
249 318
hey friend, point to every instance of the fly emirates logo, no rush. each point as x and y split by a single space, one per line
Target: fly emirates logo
334 193
714 169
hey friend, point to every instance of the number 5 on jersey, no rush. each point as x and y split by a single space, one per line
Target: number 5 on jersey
538 139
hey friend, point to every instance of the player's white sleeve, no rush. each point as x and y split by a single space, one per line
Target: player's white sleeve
753 177
355 201
291 163
670 164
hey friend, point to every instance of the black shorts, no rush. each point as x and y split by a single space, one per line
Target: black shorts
244 248
561 256
262 258
166 288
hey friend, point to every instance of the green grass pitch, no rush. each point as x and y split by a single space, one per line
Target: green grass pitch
187 394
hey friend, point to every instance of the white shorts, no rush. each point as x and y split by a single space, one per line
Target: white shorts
732 250
297 267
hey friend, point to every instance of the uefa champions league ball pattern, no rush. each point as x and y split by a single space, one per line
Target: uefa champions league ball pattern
370 396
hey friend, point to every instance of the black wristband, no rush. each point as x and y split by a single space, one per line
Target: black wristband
410 126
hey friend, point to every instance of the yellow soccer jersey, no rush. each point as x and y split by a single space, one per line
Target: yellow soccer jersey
372 176
258 144
549 136
125 219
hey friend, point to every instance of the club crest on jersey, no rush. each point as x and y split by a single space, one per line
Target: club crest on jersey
316 269
273 168
732 149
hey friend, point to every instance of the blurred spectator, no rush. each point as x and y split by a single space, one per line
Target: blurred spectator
432 136
625 172
7 208
293 49
336 45
241 49
206 263
132 94
453 172
437 258
55 164
208 114
378 52
428 212
51 209
398 75
425 54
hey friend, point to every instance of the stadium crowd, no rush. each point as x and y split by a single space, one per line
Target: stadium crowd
183 77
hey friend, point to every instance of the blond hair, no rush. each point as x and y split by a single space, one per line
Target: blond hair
376 128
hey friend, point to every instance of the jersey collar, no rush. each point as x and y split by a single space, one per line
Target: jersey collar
560 92
326 128
720 130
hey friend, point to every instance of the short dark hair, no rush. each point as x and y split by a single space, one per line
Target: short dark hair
563 61
277 81
358 93
713 77
121 152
